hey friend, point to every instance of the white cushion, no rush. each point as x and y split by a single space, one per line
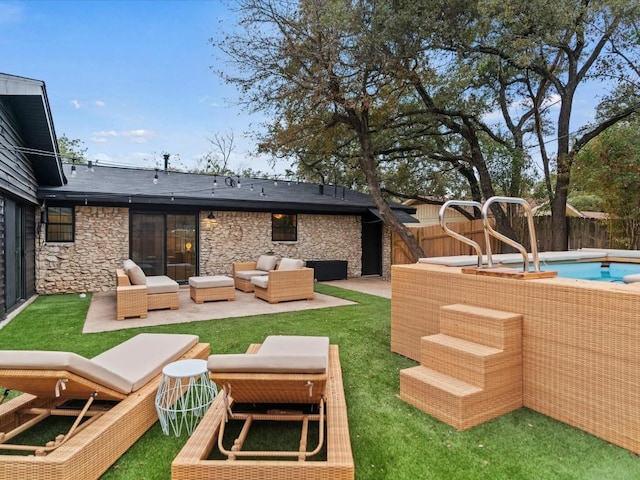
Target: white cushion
127 264
142 357
212 281
290 264
261 281
161 284
248 363
266 262
136 276
249 274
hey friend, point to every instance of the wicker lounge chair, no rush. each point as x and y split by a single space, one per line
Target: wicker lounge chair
283 370
111 397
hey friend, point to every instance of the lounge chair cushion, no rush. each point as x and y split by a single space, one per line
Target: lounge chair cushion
290 264
260 281
136 275
278 353
161 284
124 368
142 357
71 362
249 274
266 262
247 363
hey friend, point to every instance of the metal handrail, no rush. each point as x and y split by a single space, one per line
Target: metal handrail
451 233
488 230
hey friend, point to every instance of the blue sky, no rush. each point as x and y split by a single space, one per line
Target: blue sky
131 79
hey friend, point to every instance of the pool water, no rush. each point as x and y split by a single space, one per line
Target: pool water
598 271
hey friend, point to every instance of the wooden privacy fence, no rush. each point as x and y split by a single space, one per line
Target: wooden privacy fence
436 243
583 233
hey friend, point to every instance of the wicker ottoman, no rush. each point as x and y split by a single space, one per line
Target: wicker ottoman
215 287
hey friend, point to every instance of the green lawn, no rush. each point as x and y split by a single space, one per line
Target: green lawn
390 439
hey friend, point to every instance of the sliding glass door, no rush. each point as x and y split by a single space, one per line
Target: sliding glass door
164 244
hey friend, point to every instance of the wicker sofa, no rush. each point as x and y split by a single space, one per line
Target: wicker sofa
291 281
137 293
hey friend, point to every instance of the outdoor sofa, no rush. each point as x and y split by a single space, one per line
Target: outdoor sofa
291 281
111 396
137 293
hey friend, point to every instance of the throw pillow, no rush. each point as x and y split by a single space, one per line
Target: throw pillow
266 262
137 276
290 264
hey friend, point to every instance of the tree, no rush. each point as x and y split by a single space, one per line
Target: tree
559 45
72 150
309 63
609 167
380 90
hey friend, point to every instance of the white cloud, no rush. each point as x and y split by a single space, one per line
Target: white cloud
75 103
99 103
134 136
138 136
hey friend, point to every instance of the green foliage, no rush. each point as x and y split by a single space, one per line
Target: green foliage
609 169
72 150
390 439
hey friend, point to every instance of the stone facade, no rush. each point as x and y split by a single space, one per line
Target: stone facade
102 242
241 236
89 263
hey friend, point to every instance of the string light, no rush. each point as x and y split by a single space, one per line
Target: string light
73 170
155 178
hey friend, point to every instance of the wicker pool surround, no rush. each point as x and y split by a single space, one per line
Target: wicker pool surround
580 341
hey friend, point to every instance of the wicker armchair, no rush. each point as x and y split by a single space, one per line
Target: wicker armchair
284 285
137 300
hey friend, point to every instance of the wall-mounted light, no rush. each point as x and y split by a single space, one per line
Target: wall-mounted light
211 216
44 216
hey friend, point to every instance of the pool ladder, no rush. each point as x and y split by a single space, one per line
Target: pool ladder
490 232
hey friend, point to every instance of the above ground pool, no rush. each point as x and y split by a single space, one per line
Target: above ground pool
599 271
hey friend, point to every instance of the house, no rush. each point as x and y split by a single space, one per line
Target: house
65 228
183 224
28 159
428 209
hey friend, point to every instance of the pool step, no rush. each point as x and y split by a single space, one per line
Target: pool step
471 372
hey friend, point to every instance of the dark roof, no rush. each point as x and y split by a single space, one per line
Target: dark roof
135 187
27 99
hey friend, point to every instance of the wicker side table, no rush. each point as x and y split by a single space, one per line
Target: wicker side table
184 395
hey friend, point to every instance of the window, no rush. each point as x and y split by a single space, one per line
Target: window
284 228
60 224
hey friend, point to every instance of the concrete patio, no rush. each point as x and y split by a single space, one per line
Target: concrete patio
102 311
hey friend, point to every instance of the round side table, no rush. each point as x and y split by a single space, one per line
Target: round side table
184 395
